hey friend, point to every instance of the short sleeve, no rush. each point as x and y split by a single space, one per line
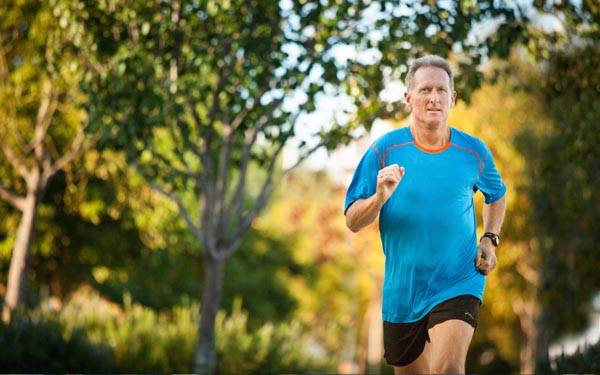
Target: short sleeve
490 182
364 181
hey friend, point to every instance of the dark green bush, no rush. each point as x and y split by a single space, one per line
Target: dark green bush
41 345
584 360
91 334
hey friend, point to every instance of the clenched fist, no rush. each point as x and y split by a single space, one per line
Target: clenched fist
388 179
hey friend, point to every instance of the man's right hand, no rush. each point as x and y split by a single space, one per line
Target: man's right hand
388 179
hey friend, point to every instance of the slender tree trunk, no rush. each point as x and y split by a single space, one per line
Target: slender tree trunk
370 350
528 344
17 274
542 359
206 358
375 338
534 350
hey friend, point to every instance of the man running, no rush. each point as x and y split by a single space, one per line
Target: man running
420 180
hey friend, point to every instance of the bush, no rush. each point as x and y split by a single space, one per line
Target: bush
32 345
270 349
584 360
142 340
90 334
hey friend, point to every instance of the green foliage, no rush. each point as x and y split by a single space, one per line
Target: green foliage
258 273
113 233
39 344
91 334
193 85
565 165
142 340
270 349
584 360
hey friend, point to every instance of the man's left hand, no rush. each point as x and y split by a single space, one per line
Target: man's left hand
486 256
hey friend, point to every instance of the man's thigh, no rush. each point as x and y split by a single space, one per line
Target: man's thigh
449 345
421 365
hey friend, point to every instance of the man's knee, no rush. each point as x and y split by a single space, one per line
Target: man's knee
448 367
413 369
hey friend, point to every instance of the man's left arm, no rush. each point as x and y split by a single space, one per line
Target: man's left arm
493 216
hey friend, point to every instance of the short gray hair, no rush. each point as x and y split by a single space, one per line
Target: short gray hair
428 60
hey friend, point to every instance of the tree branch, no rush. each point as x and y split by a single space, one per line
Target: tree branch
529 273
195 229
259 204
46 110
182 210
237 200
185 172
208 227
245 221
306 155
12 198
12 105
14 160
177 151
223 74
204 155
78 147
175 63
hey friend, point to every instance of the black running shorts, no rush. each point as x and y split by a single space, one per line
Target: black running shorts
404 342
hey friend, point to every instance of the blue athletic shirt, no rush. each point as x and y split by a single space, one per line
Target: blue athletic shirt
428 226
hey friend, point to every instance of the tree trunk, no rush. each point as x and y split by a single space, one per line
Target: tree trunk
528 344
17 274
531 321
375 338
206 358
370 351
542 359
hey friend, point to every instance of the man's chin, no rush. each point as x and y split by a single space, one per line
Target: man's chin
434 123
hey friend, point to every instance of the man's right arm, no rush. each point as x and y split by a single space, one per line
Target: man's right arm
363 212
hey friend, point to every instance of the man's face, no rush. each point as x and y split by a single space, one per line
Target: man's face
430 97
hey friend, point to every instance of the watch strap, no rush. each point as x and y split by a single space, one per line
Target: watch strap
495 238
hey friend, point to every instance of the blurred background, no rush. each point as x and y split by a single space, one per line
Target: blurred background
172 178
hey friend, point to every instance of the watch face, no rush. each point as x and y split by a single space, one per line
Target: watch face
495 239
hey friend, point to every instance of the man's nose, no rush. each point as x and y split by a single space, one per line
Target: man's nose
434 96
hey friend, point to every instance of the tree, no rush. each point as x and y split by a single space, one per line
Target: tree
564 166
42 127
204 95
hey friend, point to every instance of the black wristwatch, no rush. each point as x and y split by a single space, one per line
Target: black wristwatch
492 236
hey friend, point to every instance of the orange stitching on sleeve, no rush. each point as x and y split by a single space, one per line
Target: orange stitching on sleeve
381 160
474 153
394 146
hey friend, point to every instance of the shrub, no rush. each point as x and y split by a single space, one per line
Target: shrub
90 334
33 344
270 349
584 360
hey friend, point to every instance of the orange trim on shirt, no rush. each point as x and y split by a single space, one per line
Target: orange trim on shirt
432 150
381 160
388 149
473 152
394 146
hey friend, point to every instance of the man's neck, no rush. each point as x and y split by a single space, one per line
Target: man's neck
430 136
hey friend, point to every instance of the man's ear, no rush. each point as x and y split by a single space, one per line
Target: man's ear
454 94
407 99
